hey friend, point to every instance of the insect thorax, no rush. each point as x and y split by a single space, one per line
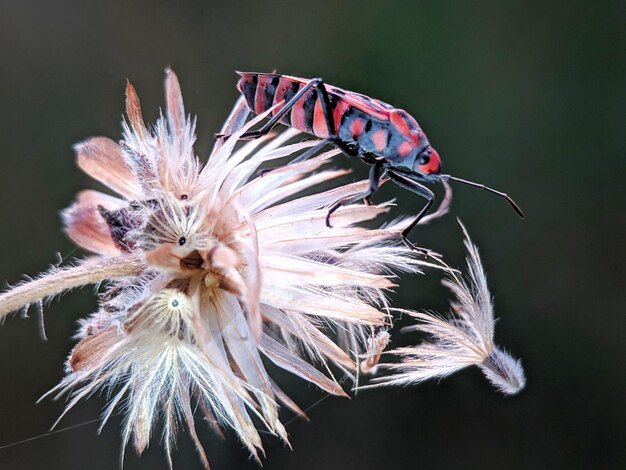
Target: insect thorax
376 137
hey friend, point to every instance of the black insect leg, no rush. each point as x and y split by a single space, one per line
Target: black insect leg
406 182
328 117
315 149
274 120
310 152
300 158
374 179
351 151
329 140
326 110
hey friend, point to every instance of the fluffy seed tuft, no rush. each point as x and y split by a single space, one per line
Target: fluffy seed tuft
463 339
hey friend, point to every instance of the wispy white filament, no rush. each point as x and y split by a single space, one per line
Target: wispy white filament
463 339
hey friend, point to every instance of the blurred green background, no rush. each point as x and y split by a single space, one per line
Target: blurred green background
529 97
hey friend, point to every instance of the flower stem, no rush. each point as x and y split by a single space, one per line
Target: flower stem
57 280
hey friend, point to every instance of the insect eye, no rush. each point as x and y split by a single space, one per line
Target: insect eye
423 160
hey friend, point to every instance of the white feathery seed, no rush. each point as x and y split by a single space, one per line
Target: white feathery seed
463 339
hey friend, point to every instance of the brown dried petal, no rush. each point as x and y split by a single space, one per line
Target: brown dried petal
174 103
133 110
102 159
93 350
86 227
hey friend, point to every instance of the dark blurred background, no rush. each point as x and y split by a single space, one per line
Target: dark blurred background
529 97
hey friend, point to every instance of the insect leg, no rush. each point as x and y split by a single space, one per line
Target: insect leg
374 179
300 158
312 151
407 182
330 124
269 125
326 110
345 148
341 145
329 140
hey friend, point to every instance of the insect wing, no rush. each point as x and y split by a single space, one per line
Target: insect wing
364 103
375 108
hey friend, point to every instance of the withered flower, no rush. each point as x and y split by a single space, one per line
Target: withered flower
208 269
463 339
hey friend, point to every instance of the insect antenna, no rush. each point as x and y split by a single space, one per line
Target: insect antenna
508 199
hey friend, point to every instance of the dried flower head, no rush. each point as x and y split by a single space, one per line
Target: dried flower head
208 270
464 339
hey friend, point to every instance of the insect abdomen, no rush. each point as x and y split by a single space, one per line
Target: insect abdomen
258 90
262 91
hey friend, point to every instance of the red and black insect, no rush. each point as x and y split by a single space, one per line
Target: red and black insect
388 139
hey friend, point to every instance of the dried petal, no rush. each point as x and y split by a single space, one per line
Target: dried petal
93 350
174 104
133 110
86 227
102 159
